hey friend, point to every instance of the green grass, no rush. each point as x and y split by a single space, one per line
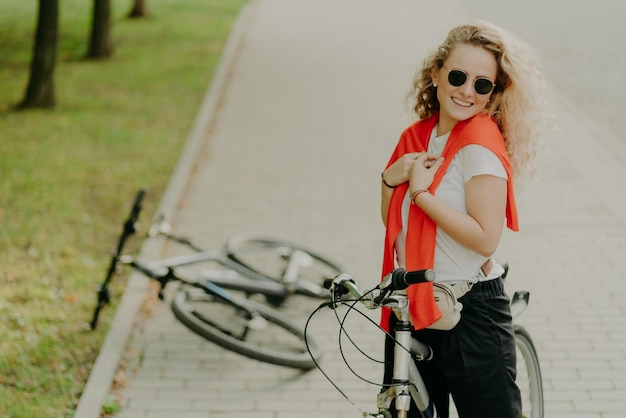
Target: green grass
68 176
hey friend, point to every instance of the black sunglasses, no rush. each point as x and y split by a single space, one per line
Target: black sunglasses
457 78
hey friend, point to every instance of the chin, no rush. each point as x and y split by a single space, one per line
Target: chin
461 116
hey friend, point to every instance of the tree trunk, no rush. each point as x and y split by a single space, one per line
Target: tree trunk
100 44
40 90
139 9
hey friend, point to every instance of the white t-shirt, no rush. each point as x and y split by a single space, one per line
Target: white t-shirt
453 262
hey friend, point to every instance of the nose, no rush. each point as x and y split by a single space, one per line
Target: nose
468 88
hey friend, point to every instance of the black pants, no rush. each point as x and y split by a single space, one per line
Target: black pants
475 361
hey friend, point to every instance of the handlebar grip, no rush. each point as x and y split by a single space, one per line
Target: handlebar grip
337 286
401 279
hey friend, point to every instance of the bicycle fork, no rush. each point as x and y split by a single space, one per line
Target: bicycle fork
407 382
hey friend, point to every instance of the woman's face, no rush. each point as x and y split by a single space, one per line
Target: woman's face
458 103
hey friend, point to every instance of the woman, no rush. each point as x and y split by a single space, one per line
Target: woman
447 192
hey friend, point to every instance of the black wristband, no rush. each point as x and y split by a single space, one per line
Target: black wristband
385 183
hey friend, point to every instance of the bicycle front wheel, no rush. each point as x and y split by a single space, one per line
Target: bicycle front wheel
528 375
301 270
246 327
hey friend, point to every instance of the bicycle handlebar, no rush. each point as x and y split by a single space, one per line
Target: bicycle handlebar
399 279
130 227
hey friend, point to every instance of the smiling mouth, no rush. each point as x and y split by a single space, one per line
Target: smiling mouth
461 102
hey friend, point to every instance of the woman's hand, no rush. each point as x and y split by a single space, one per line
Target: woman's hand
399 171
422 171
396 174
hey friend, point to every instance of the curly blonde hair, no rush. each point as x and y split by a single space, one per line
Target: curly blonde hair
518 102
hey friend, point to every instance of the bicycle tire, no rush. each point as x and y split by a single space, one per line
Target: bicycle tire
280 342
271 257
528 374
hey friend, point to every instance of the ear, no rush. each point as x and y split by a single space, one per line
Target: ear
434 74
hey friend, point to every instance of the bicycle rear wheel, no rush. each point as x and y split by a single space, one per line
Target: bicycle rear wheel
528 375
301 270
266 335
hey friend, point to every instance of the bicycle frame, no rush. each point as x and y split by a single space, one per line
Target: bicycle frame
164 272
233 277
407 383
169 269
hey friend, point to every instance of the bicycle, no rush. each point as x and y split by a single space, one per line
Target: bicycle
299 269
407 382
206 304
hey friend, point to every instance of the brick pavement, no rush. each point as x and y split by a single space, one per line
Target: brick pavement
309 115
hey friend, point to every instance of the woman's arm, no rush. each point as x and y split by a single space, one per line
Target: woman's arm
396 174
479 230
386 193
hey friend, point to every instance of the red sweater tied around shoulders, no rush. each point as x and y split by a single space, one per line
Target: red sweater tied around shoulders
421 230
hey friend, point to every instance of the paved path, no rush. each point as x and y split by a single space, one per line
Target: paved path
310 111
